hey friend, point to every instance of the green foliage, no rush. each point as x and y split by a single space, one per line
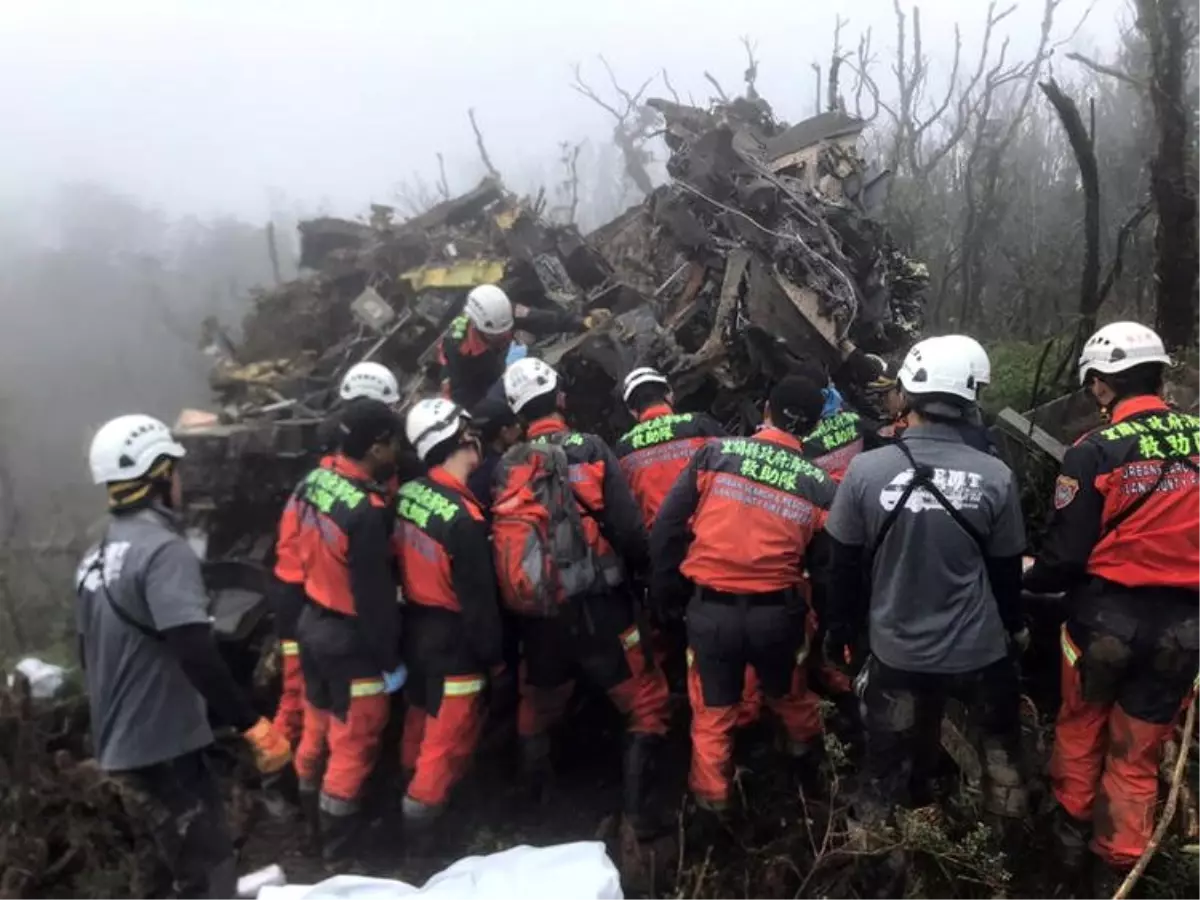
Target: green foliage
1014 370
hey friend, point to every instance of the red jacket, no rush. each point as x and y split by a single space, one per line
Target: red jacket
656 450
1103 475
741 516
441 543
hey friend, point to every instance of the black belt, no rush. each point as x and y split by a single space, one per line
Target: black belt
784 597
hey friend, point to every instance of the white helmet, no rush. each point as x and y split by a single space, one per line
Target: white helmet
526 379
489 310
126 447
430 422
1121 346
370 379
939 365
981 366
640 376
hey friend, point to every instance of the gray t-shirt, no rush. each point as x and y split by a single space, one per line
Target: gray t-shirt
144 709
932 607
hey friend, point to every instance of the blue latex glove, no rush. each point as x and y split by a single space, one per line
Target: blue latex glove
834 403
516 350
393 681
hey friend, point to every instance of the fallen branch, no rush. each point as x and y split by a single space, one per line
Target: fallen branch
1168 812
720 90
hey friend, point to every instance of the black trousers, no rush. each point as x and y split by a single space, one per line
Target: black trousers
181 801
902 712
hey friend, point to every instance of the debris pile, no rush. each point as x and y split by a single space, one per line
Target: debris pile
760 255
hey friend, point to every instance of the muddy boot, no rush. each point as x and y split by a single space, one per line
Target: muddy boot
806 758
641 755
420 827
309 802
339 837
1071 836
536 770
1105 879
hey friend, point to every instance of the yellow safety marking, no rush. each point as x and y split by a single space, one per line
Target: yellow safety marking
691 657
289 648
631 638
1070 651
366 687
462 686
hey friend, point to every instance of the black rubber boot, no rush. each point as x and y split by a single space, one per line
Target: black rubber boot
339 836
641 756
1071 835
806 759
309 802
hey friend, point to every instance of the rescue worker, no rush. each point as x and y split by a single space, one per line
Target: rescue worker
738 525
498 430
1122 542
452 630
364 379
938 525
473 350
151 664
652 454
974 431
659 447
597 636
348 628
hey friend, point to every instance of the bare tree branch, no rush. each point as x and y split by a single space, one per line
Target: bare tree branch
751 73
1117 266
443 184
582 87
1111 71
483 154
716 84
816 67
834 101
670 87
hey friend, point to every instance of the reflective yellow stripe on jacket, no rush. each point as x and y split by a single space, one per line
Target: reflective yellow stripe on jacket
289 648
1070 652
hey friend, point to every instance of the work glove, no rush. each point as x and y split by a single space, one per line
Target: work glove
596 318
394 680
1018 641
271 749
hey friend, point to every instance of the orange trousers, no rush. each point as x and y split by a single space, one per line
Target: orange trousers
437 746
713 727
289 715
1104 768
642 695
351 745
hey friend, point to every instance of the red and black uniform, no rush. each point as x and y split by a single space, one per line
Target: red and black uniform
1123 540
287 601
595 635
349 627
452 629
657 449
472 365
835 441
738 525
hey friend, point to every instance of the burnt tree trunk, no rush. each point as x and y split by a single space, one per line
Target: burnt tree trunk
1166 26
1084 149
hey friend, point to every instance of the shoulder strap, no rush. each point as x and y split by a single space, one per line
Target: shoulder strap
923 477
98 567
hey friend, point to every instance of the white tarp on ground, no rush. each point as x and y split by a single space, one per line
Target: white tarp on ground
581 871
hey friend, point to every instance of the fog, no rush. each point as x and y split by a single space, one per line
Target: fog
147 143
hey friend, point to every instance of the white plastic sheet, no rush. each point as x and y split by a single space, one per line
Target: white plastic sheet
581 871
45 679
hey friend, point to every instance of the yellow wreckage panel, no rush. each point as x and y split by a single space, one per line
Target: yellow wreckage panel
465 274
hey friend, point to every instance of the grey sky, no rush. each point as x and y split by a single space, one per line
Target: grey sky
201 105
